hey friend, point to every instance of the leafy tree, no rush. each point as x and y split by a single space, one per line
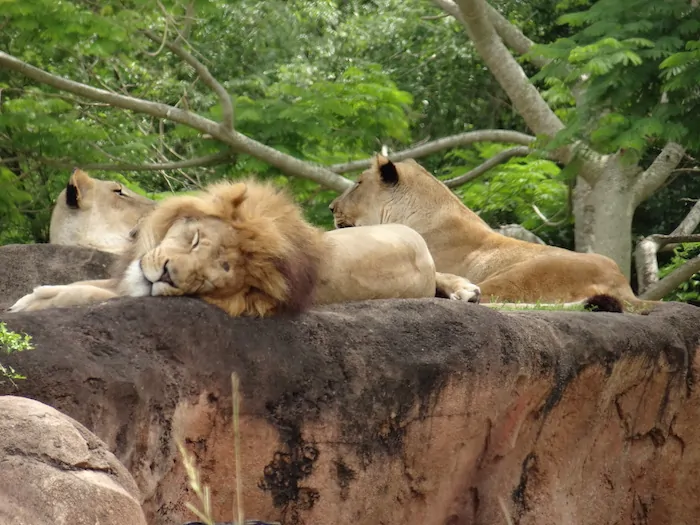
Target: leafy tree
302 91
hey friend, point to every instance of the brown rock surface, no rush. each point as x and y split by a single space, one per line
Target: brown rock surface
24 266
56 472
407 412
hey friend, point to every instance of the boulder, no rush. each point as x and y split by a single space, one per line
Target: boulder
429 412
56 472
24 266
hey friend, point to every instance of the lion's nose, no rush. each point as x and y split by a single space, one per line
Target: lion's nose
165 276
477 297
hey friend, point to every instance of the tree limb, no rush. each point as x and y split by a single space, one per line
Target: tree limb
511 35
237 141
499 158
215 159
660 170
462 139
662 240
645 253
526 99
690 222
665 286
205 75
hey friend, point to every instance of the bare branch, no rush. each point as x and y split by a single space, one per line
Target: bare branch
672 281
499 158
453 141
661 240
189 20
237 141
660 170
205 75
436 17
215 159
691 221
647 248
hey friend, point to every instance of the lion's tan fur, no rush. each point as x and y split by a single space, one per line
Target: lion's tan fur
461 243
247 249
96 214
255 254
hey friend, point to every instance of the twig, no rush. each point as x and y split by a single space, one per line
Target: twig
499 158
164 40
206 76
214 159
545 219
435 17
462 139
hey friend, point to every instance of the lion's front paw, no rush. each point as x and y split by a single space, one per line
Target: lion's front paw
468 292
42 297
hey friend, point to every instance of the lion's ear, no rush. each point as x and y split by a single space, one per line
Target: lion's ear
387 170
228 197
79 183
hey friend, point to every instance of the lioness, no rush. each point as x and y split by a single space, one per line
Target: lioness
246 248
461 243
96 214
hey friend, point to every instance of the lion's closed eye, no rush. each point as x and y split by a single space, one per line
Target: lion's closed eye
195 240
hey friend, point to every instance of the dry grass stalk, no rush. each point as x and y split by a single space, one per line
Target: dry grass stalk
236 400
202 492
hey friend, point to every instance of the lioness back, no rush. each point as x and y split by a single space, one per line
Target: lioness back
461 243
387 261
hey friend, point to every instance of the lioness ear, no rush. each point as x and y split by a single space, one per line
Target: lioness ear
387 170
78 184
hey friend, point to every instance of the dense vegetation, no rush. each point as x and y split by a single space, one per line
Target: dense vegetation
331 81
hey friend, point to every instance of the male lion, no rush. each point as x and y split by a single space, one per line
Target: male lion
461 243
246 248
96 214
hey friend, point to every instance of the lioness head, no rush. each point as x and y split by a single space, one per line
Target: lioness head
244 247
96 214
391 192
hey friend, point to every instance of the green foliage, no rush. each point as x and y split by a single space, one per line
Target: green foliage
11 342
689 290
634 65
509 193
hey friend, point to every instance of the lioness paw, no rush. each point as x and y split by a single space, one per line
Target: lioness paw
39 299
469 292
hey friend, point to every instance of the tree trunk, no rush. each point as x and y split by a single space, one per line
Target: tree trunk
604 213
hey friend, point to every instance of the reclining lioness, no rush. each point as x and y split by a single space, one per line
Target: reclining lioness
461 243
246 248
98 214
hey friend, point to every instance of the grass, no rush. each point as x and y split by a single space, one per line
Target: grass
202 491
518 307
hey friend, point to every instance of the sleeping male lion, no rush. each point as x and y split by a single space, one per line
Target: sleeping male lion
461 243
246 248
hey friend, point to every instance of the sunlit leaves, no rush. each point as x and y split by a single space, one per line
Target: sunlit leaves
635 72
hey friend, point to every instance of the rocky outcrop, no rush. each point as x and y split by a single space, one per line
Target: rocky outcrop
56 472
24 266
410 412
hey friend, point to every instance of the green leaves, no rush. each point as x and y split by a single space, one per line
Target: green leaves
510 192
634 70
